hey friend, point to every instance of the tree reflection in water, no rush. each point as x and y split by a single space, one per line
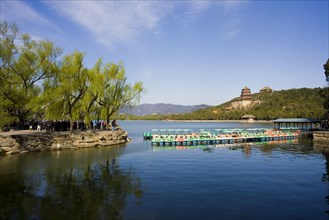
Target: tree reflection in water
325 176
97 192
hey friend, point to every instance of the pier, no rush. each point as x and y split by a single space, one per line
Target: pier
186 137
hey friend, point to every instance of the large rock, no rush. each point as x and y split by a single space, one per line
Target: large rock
60 140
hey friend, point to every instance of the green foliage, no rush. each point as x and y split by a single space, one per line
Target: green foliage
24 63
33 82
117 93
326 70
63 93
292 103
107 91
78 93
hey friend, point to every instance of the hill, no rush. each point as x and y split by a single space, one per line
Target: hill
161 109
303 102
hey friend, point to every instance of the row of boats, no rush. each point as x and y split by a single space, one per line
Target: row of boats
162 137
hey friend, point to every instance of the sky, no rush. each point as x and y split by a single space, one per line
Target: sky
189 52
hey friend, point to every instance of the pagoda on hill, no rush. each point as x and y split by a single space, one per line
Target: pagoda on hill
245 101
245 96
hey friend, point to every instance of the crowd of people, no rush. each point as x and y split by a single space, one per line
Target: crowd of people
325 124
65 125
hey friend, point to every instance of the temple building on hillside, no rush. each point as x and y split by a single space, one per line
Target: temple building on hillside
266 89
245 96
245 101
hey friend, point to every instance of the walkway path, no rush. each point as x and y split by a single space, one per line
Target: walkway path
17 132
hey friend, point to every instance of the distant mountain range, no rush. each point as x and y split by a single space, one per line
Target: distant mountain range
161 109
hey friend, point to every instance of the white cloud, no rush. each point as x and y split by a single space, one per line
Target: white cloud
230 5
113 21
24 15
228 17
147 73
231 28
195 9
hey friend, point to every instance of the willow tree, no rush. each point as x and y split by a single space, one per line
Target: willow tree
117 92
63 93
94 89
24 64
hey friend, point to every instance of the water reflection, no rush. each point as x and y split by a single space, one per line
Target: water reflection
97 190
248 181
246 147
325 177
324 149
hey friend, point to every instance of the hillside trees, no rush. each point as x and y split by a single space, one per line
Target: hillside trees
292 103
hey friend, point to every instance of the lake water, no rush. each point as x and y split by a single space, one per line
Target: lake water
283 180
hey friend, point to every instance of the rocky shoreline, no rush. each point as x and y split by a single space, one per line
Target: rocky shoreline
22 142
321 137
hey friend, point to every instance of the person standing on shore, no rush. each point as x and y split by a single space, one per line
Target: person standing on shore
114 124
91 125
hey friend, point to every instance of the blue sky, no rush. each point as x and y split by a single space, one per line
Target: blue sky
189 52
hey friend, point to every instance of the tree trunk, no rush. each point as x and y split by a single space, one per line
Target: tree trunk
70 117
108 125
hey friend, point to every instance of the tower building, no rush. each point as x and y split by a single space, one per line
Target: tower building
245 96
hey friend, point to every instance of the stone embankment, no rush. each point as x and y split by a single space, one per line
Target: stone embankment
321 141
46 141
321 137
